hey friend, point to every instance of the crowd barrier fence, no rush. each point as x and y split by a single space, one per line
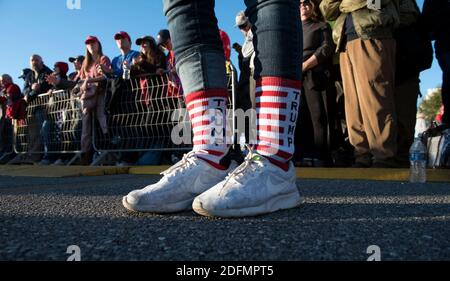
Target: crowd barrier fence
145 113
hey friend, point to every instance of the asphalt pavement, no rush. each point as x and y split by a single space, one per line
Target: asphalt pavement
339 220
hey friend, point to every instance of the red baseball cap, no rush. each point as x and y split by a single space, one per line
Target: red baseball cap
122 34
91 39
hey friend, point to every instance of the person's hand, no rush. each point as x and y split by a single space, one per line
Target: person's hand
35 87
304 67
84 86
237 48
138 59
126 64
76 92
52 79
100 69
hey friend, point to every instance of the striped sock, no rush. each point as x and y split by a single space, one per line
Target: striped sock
207 111
277 104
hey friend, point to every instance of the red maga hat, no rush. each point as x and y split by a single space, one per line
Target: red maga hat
122 34
91 39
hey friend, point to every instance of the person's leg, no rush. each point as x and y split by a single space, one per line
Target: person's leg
265 182
243 88
3 136
9 136
35 144
201 66
45 136
86 131
252 89
252 118
278 44
100 114
243 100
335 137
355 126
304 134
6 136
318 116
406 95
375 83
444 62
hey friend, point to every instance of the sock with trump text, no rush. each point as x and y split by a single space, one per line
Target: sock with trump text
277 105
207 112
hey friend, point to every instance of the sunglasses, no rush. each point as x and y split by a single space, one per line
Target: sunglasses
305 3
242 26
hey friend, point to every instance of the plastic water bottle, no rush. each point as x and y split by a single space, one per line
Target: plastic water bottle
418 160
126 72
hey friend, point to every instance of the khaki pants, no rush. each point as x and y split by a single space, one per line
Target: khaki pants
406 95
368 73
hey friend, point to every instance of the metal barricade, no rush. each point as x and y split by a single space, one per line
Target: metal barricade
139 117
52 126
143 115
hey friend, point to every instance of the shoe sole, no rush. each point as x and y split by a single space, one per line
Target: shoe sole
182 206
281 202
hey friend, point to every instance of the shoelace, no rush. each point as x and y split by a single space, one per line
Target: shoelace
251 157
187 159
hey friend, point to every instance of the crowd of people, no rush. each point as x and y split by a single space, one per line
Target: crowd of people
360 78
88 83
359 91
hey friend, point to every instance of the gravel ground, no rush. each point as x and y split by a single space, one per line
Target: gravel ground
40 218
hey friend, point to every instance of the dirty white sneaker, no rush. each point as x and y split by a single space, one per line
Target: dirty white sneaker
177 189
254 188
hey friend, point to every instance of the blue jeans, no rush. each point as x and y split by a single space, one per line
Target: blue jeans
444 62
200 57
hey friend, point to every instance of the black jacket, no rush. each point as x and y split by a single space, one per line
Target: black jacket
144 67
30 79
436 16
317 40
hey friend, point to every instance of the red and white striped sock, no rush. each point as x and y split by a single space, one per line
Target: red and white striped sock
207 111
277 104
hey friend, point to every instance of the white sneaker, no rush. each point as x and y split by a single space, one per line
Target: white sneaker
256 187
178 188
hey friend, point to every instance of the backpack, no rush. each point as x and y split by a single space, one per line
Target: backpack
438 145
